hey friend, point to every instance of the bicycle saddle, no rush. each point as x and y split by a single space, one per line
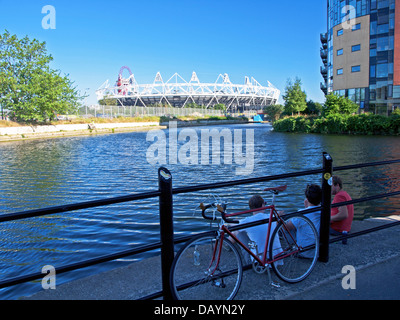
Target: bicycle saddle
276 190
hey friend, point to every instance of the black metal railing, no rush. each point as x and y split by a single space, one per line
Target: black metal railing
167 242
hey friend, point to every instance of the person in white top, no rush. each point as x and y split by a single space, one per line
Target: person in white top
313 197
257 234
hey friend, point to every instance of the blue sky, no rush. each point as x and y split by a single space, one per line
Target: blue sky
265 39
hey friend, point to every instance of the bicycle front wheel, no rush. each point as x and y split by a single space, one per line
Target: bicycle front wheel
199 272
294 252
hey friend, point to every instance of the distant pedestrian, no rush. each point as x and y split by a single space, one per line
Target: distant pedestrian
341 217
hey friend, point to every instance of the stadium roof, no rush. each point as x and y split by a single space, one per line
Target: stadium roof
177 92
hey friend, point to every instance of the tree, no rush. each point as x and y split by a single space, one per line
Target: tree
220 106
274 111
295 98
29 88
338 104
313 108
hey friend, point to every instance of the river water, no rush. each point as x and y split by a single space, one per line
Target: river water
41 173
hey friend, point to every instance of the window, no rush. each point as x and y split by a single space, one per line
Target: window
339 72
383 4
383 70
355 48
373 27
383 28
372 71
391 21
355 68
356 27
340 32
383 44
396 92
340 52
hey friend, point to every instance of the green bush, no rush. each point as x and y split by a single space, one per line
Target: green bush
364 124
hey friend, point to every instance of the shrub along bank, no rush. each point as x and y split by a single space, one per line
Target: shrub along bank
363 124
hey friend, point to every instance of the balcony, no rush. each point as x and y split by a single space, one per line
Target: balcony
324 73
324 88
324 37
324 54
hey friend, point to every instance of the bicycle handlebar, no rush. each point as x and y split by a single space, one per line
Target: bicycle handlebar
220 208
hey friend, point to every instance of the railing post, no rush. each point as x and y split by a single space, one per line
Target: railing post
326 208
166 228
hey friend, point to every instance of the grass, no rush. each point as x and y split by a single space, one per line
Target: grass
4 123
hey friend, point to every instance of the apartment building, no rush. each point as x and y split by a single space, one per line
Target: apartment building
361 53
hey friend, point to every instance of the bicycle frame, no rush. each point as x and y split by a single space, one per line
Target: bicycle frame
223 230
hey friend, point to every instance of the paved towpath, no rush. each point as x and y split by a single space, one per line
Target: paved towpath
375 257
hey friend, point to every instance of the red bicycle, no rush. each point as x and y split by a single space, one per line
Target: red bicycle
210 267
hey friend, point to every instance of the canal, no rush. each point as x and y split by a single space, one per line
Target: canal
40 173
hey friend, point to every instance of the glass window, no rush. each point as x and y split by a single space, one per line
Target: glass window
340 32
373 4
339 72
373 27
372 53
356 27
359 9
383 44
390 68
340 52
372 71
372 94
382 70
391 43
352 95
355 68
362 94
383 18
396 92
391 21
355 48
383 28
383 4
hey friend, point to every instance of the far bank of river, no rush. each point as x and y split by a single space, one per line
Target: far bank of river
67 130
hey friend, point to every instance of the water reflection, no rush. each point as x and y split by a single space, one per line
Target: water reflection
41 173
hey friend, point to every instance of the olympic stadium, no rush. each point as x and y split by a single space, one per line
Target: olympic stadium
177 92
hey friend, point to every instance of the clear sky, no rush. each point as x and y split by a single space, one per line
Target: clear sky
265 39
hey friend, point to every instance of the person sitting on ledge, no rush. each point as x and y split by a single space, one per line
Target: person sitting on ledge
341 217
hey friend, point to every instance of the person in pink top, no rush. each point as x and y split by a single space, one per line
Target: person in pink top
341 217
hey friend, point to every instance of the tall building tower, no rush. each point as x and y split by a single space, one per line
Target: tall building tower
361 53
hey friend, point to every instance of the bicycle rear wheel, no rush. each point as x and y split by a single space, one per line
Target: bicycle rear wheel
197 275
295 252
